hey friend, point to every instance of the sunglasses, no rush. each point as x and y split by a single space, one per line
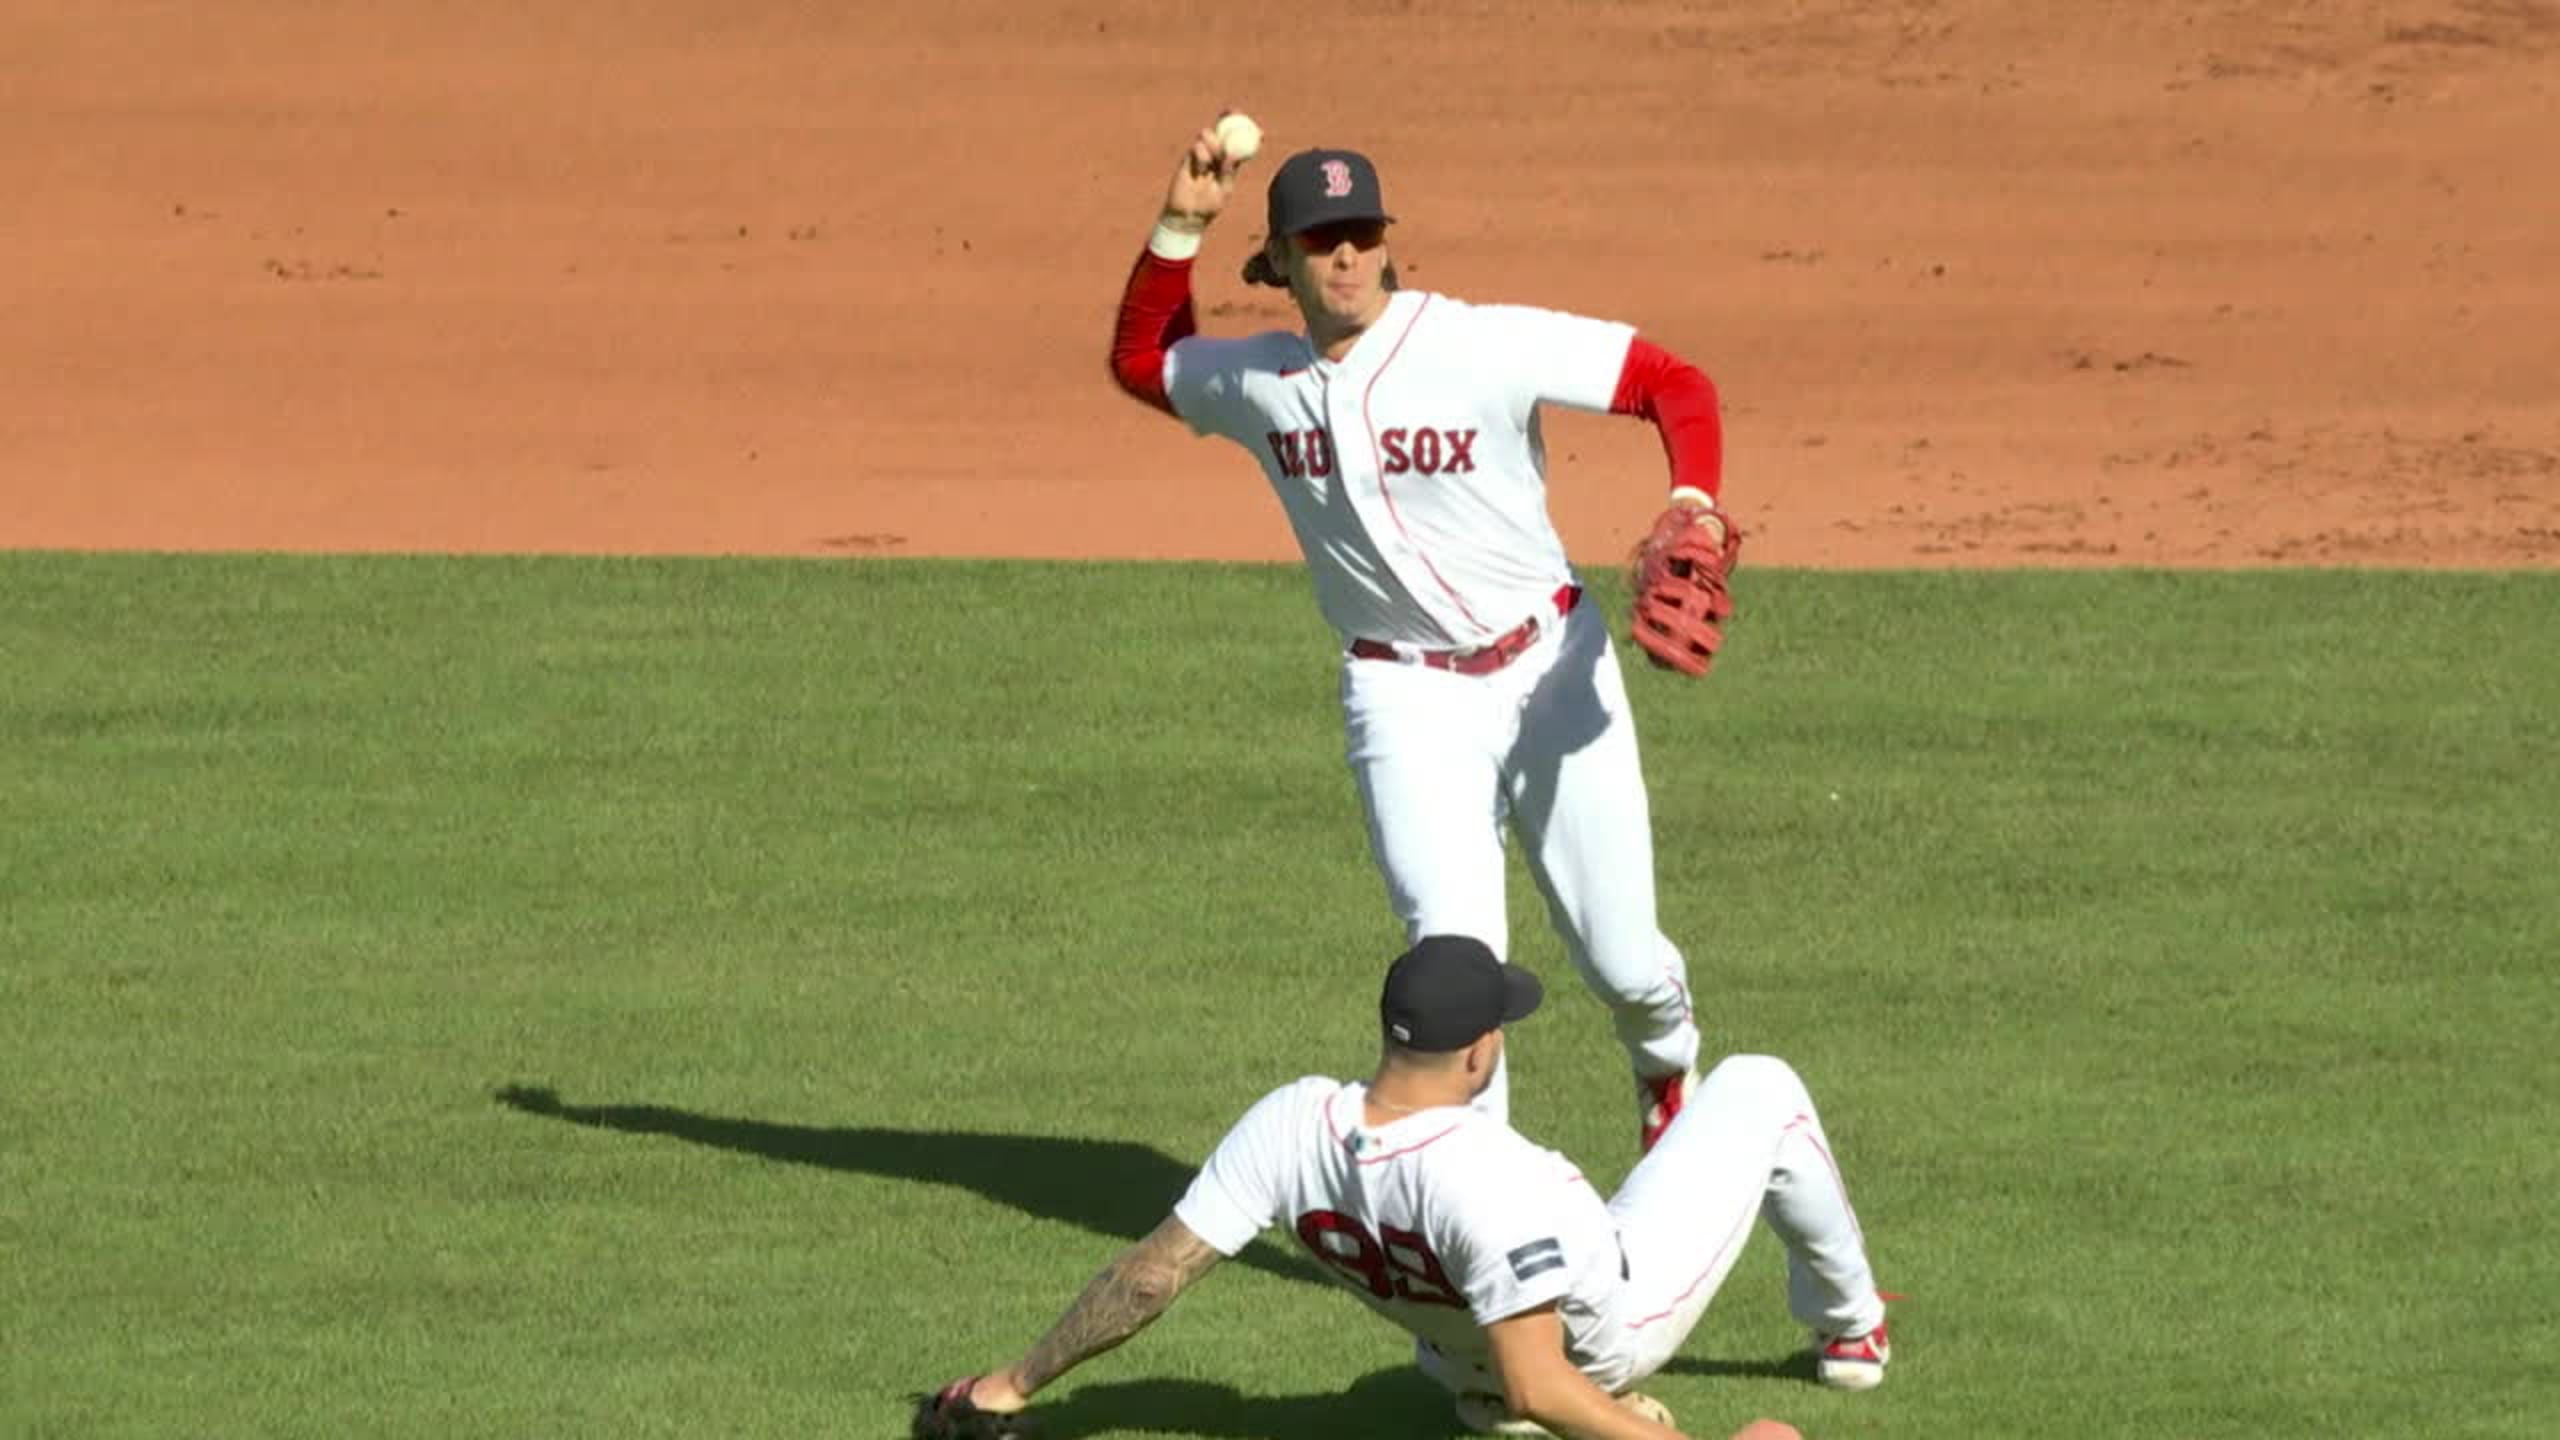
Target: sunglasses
1325 239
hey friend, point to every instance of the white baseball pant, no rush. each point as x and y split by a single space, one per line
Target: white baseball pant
1747 1143
1548 743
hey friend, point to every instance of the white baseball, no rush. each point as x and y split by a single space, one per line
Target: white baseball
1238 137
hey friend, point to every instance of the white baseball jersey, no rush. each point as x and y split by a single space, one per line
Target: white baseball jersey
1412 469
1443 1221
1447 1220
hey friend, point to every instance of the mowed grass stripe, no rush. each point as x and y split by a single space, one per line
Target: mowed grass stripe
652 997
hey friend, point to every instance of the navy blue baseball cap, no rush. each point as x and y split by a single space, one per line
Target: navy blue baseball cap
1448 990
1321 187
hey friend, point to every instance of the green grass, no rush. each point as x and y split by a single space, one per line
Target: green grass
633 998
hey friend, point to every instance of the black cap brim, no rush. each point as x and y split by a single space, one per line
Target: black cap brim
1346 215
1521 992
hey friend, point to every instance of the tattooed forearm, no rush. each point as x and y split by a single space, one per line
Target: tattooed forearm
1118 1304
1121 1301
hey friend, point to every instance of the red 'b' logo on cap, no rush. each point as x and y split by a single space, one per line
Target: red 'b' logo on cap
1337 179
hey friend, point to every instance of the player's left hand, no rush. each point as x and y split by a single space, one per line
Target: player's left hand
978 1407
1681 571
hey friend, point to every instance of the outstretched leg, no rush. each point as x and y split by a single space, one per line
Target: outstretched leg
1749 1143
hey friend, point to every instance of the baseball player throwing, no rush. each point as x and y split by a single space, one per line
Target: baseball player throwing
1401 432
1537 1303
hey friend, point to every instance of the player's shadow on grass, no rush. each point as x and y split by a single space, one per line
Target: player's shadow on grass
1111 1187
1798 1366
1393 1404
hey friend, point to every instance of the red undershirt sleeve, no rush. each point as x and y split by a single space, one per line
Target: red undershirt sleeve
1155 311
1681 402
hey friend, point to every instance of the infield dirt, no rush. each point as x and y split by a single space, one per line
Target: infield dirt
2211 284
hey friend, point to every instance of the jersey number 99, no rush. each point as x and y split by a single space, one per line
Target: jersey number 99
1391 1265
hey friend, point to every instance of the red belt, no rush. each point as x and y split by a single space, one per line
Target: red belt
1481 659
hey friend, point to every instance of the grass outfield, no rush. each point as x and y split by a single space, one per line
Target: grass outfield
658 998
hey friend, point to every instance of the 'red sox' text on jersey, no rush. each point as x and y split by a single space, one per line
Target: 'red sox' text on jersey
1412 471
